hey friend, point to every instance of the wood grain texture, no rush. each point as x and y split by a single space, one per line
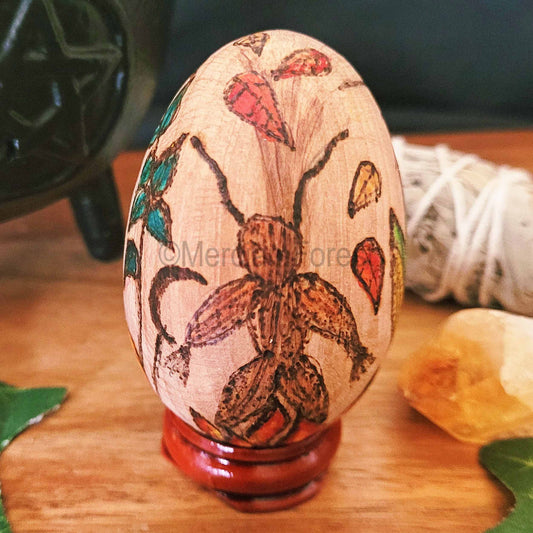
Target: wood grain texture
96 464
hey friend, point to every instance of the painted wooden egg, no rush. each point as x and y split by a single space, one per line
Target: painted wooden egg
264 253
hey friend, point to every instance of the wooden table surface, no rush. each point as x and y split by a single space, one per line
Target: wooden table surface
96 464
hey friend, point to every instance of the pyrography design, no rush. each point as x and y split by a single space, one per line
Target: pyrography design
265 400
397 269
368 260
171 111
148 204
280 395
368 266
305 62
366 187
256 42
252 99
150 208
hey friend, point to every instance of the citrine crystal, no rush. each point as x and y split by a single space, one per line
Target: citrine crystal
475 379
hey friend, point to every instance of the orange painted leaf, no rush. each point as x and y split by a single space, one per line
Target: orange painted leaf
305 62
368 266
256 42
205 426
366 187
252 99
212 431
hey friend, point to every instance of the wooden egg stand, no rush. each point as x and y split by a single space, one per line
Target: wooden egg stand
252 479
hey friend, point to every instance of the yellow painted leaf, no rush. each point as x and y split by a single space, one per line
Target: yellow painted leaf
397 271
397 274
366 187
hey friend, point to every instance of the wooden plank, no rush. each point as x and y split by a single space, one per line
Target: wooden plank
96 464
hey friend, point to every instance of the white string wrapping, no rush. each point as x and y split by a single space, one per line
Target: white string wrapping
469 228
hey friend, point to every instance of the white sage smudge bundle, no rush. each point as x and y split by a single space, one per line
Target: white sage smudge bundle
469 228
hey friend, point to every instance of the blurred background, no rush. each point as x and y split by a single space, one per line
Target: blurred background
83 80
432 66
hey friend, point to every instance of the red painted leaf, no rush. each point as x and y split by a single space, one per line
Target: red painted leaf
306 62
251 98
269 429
368 266
305 429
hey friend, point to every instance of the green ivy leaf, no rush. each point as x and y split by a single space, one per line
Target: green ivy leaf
20 408
511 461
131 260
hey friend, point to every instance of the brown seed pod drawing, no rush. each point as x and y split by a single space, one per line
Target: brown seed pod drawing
266 400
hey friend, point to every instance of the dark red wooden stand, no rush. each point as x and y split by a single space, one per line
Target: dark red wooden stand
252 479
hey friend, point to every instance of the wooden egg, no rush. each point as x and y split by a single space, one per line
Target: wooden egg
264 254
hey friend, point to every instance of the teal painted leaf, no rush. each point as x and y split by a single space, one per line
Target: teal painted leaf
163 175
140 204
159 222
166 119
511 461
131 260
171 111
20 408
145 173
